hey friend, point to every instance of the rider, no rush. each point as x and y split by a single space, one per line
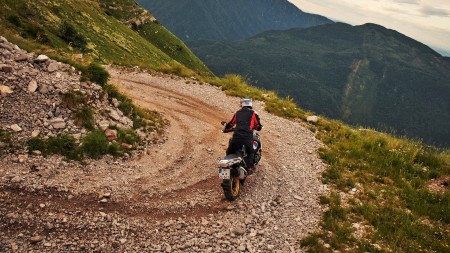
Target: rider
246 120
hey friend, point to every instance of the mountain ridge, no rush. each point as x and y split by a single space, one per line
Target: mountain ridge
365 75
229 20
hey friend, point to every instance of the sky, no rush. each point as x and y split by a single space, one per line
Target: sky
427 21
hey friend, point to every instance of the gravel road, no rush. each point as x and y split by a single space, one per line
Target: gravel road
169 199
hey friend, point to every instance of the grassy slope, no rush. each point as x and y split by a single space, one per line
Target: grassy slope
109 39
391 203
364 75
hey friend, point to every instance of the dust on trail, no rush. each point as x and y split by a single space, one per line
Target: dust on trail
169 199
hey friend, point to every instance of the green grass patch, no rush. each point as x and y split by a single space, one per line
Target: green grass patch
73 99
391 175
84 117
95 144
62 144
96 73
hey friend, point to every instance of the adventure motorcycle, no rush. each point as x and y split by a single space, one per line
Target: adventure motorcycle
232 168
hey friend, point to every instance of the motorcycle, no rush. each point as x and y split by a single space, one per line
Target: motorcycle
232 168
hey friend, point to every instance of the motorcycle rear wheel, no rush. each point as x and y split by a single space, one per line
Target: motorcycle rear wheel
231 188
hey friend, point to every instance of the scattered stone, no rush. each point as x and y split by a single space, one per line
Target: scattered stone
126 146
298 198
35 133
36 239
7 69
312 119
104 124
17 179
5 90
111 134
32 86
52 67
41 58
16 128
115 102
115 115
57 123
21 57
22 158
43 88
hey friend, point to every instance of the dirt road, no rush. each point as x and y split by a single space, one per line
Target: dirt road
169 199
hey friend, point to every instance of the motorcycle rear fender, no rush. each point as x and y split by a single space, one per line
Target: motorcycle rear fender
223 163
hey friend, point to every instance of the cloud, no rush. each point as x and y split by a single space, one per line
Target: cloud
433 11
407 1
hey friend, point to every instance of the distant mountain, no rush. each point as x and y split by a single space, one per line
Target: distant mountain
364 75
194 20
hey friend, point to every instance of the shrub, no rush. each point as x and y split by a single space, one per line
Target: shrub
63 144
73 99
14 20
126 106
115 149
95 144
37 143
97 74
176 69
127 136
68 33
85 117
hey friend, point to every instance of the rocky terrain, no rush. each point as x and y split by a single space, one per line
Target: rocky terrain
32 89
165 199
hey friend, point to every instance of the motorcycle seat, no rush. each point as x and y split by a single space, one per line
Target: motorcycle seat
233 156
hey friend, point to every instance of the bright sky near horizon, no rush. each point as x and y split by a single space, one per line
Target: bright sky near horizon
427 21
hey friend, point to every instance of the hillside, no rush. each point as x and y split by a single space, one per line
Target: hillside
364 75
118 32
194 20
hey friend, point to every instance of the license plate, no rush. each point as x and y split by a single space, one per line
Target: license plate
224 173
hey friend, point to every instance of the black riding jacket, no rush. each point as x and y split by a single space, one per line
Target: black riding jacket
246 120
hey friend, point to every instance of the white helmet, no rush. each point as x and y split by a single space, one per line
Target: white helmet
246 102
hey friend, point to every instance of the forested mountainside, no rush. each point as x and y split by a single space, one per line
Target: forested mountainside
194 20
364 75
